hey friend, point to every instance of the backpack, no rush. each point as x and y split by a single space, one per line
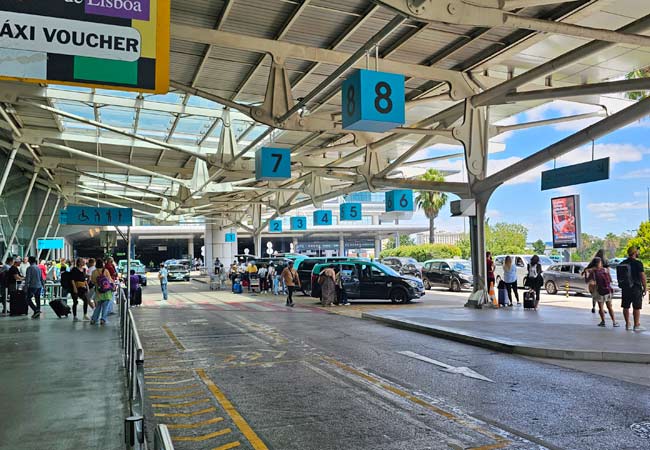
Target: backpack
66 280
603 282
104 284
237 289
624 275
3 275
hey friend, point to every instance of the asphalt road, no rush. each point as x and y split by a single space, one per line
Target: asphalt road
235 372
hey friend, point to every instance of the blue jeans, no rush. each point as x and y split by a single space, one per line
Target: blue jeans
163 287
276 282
101 311
36 294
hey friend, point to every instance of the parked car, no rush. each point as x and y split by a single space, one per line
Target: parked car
140 269
371 280
305 267
403 265
521 262
178 272
454 274
568 276
279 262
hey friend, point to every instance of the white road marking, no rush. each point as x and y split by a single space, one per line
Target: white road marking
465 371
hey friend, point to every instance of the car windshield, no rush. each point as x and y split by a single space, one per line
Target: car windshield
461 266
387 270
177 268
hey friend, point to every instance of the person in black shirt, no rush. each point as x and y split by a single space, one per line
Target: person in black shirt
13 276
634 296
79 289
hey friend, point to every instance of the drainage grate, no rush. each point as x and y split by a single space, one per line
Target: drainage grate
642 429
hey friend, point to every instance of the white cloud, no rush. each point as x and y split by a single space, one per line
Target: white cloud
609 216
562 108
612 207
640 173
494 214
618 153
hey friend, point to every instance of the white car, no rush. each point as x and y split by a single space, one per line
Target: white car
521 262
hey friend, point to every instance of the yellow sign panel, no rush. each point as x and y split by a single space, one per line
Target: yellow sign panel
110 44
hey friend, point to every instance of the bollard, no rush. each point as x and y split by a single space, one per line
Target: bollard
133 435
566 289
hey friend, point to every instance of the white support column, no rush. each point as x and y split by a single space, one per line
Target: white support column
217 247
294 242
19 220
38 223
190 248
341 245
7 170
377 247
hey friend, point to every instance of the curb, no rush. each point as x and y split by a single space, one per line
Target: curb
512 348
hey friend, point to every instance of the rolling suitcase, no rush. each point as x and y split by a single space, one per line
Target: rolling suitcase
503 297
18 303
136 298
60 308
529 300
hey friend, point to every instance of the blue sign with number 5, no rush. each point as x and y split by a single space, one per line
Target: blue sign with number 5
373 101
273 163
399 200
322 217
299 223
275 226
350 211
231 237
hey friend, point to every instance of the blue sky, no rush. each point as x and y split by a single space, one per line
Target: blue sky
616 205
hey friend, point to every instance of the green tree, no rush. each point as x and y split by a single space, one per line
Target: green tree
424 252
404 239
639 73
588 248
642 241
539 246
431 202
505 238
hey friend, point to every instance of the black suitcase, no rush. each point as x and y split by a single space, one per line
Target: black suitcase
529 300
60 308
18 303
136 297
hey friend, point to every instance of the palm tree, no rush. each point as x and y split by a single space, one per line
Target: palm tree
639 73
431 202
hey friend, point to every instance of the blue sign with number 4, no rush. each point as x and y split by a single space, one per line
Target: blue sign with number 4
275 226
322 217
399 200
373 101
350 211
231 237
273 164
299 223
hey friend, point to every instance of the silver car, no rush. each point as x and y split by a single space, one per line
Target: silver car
178 272
563 277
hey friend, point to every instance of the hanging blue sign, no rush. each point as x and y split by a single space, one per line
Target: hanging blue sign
275 226
576 174
298 223
350 211
63 217
399 200
272 164
322 217
231 237
373 101
90 215
50 244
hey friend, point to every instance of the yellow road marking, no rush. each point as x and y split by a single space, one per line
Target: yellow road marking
173 338
187 394
239 421
159 377
228 446
170 382
180 405
187 426
192 414
205 437
179 388
500 441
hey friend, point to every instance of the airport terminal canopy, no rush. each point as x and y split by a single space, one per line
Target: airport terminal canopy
268 73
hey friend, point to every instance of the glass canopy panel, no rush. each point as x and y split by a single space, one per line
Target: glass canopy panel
118 117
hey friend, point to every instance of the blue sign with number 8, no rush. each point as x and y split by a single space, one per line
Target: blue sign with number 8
373 101
351 211
322 217
299 223
272 164
275 226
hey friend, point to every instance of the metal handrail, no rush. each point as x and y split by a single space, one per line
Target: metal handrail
162 440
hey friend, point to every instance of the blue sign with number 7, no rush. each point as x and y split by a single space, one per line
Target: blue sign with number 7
275 226
272 164
350 211
373 101
322 217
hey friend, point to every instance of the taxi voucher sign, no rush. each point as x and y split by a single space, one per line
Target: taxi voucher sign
113 44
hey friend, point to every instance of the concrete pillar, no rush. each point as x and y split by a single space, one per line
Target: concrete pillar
341 245
477 243
377 247
190 248
258 250
216 246
294 241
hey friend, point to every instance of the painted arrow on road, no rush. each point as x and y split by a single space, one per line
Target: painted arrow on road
464 371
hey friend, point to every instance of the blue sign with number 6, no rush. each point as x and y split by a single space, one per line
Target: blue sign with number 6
299 223
231 237
399 200
373 101
272 164
322 217
350 211
275 226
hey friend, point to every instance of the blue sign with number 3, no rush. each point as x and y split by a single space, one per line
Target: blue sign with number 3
322 217
350 211
272 164
299 223
275 226
373 101
399 200
231 237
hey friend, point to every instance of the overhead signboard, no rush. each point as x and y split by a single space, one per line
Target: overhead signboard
350 211
322 217
299 223
373 101
50 243
587 172
565 216
231 237
112 44
275 226
90 215
273 163
399 200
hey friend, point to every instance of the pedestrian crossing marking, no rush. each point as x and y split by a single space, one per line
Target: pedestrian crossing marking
202 438
180 405
188 426
191 414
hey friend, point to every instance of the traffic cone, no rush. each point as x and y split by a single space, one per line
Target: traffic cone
493 297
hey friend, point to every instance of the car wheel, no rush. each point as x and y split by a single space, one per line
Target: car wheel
455 285
427 284
551 288
399 295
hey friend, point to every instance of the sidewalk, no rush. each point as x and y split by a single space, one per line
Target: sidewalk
62 384
550 332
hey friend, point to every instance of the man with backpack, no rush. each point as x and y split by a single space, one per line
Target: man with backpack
632 281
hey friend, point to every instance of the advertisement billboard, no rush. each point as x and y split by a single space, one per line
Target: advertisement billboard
565 217
112 44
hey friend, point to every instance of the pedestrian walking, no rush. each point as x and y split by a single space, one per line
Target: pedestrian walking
534 280
34 286
632 281
4 282
591 283
327 282
162 276
489 267
79 289
135 292
291 280
104 289
263 273
510 279
273 279
604 291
